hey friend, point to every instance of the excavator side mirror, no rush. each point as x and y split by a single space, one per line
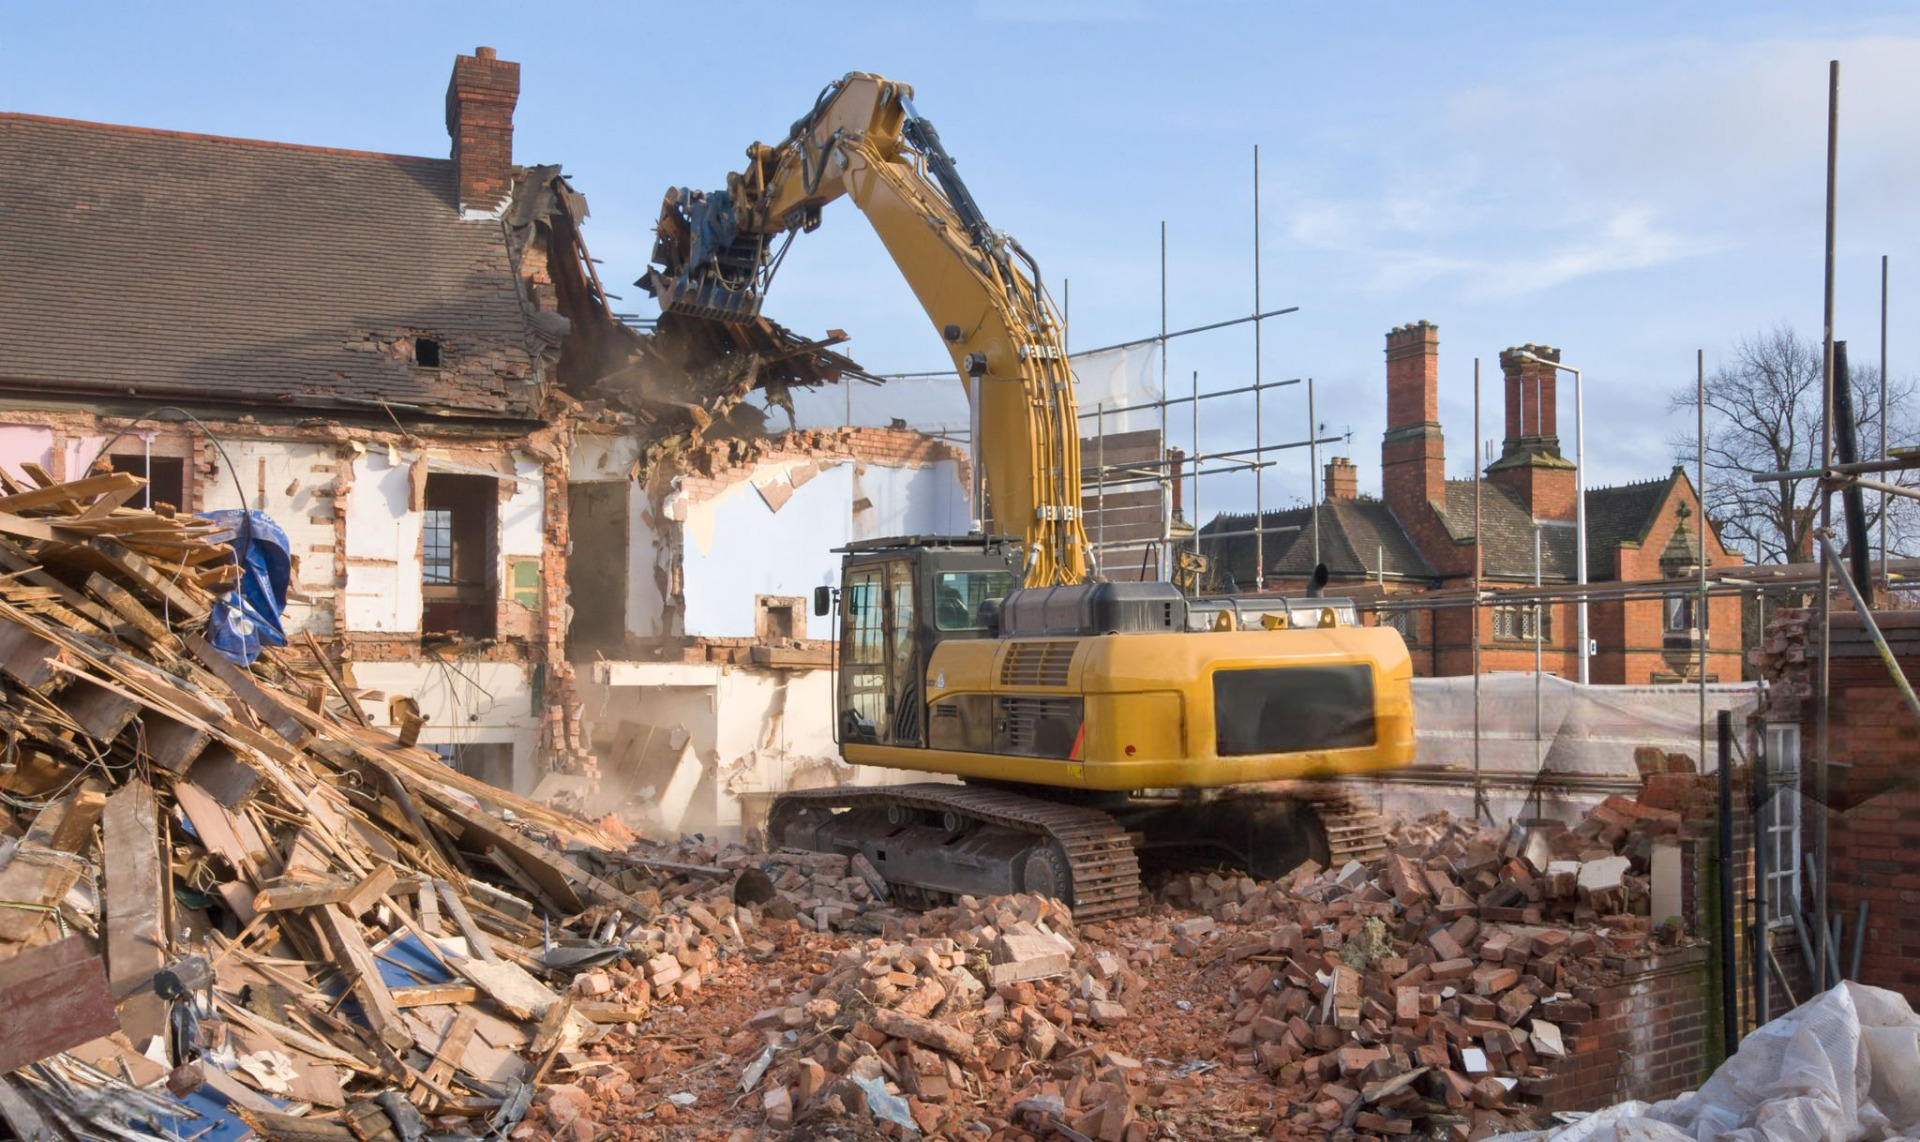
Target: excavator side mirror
823 600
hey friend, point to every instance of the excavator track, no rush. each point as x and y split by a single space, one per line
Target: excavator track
1354 830
1105 874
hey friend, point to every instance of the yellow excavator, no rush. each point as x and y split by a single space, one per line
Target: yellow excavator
1089 721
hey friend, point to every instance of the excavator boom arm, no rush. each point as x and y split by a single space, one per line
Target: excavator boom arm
717 252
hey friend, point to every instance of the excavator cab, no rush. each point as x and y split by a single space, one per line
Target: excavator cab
899 599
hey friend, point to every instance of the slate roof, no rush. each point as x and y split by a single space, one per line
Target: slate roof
1507 552
1620 515
159 264
1356 538
1356 534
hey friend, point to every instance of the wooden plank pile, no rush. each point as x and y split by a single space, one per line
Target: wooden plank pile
225 899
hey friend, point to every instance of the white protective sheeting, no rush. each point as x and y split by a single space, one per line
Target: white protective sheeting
1584 730
1124 382
1842 1067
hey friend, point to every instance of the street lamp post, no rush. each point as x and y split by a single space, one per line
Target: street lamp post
1579 498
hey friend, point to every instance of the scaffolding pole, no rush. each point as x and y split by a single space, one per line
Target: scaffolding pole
1259 478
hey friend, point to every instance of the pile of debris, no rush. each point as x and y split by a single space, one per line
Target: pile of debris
228 900
1428 993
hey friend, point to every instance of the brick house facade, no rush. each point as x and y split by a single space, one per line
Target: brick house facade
402 361
1419 538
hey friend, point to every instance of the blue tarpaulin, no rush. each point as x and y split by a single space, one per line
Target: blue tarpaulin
248 617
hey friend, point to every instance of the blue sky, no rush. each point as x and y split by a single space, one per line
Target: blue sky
1628 184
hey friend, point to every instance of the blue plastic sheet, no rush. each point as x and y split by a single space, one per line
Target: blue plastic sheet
248 617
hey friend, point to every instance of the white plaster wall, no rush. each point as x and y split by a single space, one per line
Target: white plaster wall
82 451
522 521
754 731
292 483
646 556
463 702
383 545
737 547
25 444
593 457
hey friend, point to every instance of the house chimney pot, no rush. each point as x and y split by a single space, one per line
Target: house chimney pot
480 100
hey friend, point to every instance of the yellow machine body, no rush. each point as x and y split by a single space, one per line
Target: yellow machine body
1148 718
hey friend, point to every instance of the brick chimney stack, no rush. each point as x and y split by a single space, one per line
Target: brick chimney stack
1343 479
480 101
1412 454
1530 462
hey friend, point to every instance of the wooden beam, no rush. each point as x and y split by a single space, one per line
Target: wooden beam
271 713
100 709
431 994
136 946
131 609
477 942
25 657
357 964
447 1059
52 998
45 864
152 582
70 492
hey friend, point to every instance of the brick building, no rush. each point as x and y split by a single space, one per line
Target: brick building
1419 538
409 364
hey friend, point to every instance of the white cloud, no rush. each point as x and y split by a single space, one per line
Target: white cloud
1637 157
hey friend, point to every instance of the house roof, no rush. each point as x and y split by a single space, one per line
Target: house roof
1622 514
144 263
1507 551
1358 538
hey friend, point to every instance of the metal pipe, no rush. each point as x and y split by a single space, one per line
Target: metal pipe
1100 486
1701 627
1481 809
1313 454
1539 747
1822 712
1896 463
1196 461
1729 994
1259 478
1579 491
1760 789
1166 519
1166 336
1883 413
1859 941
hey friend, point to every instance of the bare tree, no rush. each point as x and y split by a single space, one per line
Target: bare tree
1764 415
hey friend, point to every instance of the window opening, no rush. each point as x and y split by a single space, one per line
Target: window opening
459 555
1782 816
166 478
426 352
436 547
1518 623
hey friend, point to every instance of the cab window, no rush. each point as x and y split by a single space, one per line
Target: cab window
957 596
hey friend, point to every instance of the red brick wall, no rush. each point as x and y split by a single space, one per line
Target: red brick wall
1547 491
1874 831
1644 1037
